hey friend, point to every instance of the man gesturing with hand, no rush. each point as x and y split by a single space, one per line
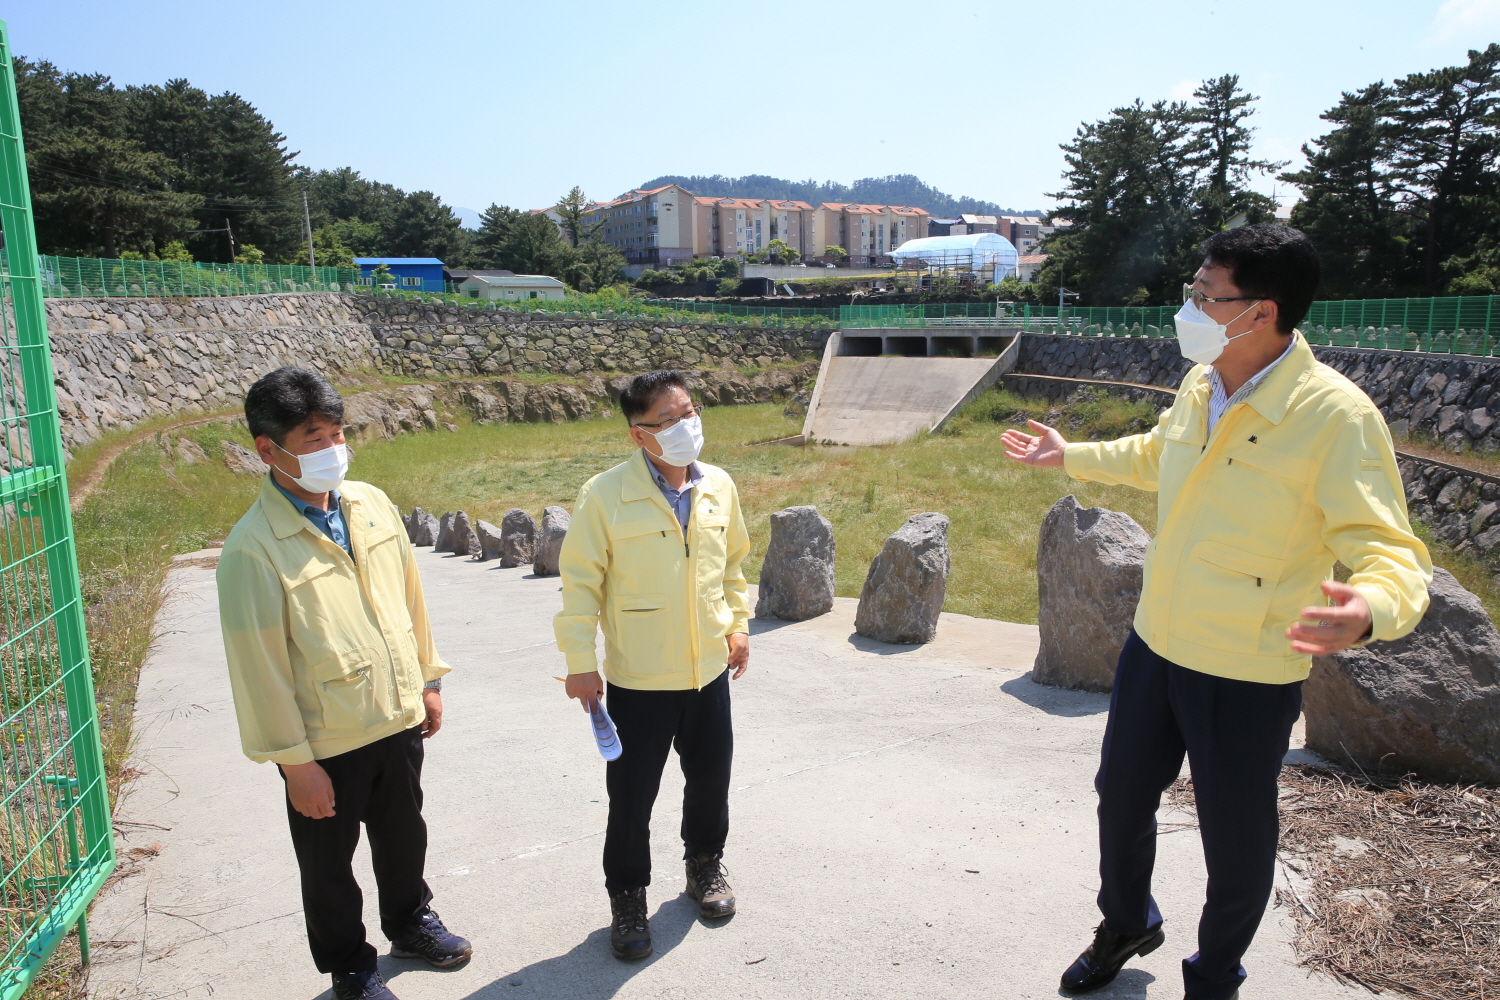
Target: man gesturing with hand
1270 466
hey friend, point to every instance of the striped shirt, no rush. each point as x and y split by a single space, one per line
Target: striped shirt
1219 403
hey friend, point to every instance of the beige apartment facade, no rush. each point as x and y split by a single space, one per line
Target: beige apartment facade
669 224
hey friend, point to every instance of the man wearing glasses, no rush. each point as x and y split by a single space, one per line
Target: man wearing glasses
653 558
1270 466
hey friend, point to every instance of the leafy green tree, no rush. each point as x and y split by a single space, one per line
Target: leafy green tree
494 228
1222 142
593 266
835 253
573 207
252 254
780 252
533 247
329 249
382 275
1476 274
423 226
1348 205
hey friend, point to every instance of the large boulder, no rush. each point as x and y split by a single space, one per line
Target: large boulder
1088 572
422 527
517 538
465 542
796 578
904 590
243 461
489 540
555 523
444 541
1427 703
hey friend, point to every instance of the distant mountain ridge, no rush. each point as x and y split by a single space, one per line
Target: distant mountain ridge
895 189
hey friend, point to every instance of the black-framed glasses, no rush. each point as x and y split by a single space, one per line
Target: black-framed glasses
693 411
1198 298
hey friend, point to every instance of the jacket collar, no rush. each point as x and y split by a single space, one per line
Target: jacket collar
1279 390
285 519
637 483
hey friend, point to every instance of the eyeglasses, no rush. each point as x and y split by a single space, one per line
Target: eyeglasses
693 411
1198 298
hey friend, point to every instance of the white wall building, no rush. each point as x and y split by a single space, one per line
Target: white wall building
513 288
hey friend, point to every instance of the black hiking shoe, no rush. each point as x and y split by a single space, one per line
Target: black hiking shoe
629 933
432 943
360 986
706 884
1104 959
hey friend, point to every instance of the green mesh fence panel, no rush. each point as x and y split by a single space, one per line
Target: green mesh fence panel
89 277
56 846
1458 324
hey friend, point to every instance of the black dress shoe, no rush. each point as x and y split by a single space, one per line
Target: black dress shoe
1104 959
629 931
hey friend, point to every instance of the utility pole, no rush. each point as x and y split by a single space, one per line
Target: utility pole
312 260
230 230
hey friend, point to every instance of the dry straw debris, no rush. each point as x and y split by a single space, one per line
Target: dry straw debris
1396 885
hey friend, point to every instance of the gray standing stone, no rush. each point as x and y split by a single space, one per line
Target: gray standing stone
1427 703
796 579
243 461
1088 571
424 527
489 540
904 590
517 538
465 542
444 541
555 523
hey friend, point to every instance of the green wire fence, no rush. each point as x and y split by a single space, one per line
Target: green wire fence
1458 324
610 306
87 277
56 842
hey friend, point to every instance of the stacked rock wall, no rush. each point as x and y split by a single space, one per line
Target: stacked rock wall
118 361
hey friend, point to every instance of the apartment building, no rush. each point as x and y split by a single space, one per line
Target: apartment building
670 223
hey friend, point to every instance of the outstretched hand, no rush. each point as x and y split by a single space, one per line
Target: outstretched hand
1327 630
1044 450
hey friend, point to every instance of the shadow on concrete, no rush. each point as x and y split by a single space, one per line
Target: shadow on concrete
1130 984
589 971
1055 701
760 626
867 645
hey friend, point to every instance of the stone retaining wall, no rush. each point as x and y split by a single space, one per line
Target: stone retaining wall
118 361
1450 398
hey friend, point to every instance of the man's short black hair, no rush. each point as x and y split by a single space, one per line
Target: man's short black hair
281 401
1269 261
645 389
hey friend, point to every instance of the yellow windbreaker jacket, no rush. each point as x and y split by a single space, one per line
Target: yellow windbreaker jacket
326 654
665 601
1251 518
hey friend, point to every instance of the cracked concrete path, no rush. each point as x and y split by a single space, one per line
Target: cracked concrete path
905 822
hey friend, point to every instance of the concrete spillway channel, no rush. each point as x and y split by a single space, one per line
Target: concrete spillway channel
880 386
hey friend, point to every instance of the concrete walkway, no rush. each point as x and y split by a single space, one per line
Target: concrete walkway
906 822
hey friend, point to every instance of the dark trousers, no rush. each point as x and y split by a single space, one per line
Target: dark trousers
650 723
1235 735
379 785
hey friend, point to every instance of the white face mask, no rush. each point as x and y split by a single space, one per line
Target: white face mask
1199 338
321 470
681 443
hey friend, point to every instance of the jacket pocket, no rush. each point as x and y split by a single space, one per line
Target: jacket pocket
347 693
1226 594
640 631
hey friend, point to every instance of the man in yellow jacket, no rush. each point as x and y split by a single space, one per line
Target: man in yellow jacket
653 558
335 678
1270 466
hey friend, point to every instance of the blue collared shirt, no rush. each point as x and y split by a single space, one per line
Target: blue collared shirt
330 522
681 501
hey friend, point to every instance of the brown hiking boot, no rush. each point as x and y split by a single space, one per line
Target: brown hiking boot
629 933
706 884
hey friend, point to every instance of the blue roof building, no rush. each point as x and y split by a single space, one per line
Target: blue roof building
411 274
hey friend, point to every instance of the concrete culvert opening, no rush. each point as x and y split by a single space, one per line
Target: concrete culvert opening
952 347
859 347
906 347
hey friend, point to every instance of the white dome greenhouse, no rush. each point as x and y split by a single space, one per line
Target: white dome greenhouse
974 252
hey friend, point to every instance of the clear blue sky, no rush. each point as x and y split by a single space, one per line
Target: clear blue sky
516 102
